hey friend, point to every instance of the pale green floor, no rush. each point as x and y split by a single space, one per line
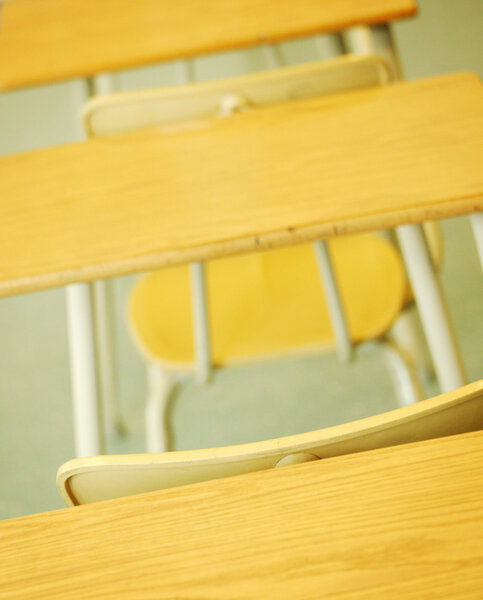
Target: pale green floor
242 404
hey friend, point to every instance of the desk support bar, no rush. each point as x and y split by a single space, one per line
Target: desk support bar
432 307
82 346
477 224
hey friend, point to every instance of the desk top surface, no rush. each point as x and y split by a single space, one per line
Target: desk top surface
286 174
399 522
49 40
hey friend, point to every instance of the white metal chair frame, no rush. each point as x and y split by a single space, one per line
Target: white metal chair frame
81 302
161 384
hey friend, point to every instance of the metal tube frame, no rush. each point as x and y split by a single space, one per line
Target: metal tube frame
432 307
104 305
161 388
373 40
84 377
417 258
199 311
334 303
358 40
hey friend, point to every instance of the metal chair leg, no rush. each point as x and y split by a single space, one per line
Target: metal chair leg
104 312
201 327
89 438
432 307
409 336
340 328
401 368
161 387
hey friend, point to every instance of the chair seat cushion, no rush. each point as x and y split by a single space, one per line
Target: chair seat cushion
269 304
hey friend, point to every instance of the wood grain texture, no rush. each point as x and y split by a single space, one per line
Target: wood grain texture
275 176
50 40
403 522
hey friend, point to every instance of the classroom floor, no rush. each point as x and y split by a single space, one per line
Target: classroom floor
244 403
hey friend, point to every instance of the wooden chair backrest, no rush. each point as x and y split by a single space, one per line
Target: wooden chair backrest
86 480
131 111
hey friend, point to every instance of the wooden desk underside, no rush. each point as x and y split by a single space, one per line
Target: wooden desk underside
295 172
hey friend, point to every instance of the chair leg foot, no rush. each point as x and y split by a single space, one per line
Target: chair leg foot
161 386
406 383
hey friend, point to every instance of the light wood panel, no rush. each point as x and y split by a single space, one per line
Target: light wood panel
95 478
276 176
403 522
49 40
126 112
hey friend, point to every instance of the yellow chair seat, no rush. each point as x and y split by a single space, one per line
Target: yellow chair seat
269 304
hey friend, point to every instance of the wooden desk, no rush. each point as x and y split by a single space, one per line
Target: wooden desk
400 522
42 41
361 161
49 40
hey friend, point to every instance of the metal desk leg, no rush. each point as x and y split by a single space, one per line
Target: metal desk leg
82 346
432 307
477 224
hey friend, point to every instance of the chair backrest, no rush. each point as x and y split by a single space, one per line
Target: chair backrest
131 111
86 480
